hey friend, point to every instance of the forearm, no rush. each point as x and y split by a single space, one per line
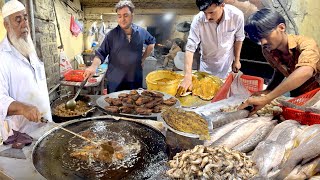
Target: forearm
237 50
16 108
188 60
147 52
96 62
293 81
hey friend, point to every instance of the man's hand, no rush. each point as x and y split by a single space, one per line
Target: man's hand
236 65
258 102
185 84
142 62
89 72
31 113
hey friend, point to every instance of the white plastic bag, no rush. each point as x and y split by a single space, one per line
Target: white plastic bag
237 88
64 64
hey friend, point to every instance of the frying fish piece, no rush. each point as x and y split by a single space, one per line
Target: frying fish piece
219 132
280 127
306 171
267 155
255 138
300 155
220 119
102 153
240 133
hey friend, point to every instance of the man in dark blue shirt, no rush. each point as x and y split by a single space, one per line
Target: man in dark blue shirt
124 46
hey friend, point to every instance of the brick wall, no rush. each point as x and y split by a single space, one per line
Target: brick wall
46 40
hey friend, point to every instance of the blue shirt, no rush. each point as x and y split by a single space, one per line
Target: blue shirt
124 56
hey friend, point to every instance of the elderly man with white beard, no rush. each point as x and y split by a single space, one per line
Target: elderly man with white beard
24 95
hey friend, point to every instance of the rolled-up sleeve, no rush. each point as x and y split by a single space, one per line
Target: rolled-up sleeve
239 35
149 39
194 36
309 53
103 51
5 99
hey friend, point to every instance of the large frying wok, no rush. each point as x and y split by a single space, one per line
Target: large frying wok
62 100
51 154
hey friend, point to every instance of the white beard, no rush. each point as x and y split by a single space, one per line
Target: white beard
24 44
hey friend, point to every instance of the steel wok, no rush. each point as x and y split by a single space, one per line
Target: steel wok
64 99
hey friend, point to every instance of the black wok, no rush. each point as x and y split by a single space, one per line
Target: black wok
63 99
51 154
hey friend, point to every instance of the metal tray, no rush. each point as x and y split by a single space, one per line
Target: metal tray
190 135
102 103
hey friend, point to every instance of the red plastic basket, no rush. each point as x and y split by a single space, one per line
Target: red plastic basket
299 115
252 83
74 75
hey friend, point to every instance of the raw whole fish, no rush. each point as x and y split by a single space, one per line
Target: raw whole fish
280 127
300 155
219 132
306 171
306 134
241 133
255 138
267 155
221 119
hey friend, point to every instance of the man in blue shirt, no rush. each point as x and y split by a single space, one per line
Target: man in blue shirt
124 46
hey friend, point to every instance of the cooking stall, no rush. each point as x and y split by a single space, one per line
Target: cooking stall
202 137
160 133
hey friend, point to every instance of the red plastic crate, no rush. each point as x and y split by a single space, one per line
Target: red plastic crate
74 75
252 83
299 115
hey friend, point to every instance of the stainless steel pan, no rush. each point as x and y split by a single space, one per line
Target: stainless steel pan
64 99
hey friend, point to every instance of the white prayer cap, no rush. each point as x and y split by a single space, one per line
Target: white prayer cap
12 7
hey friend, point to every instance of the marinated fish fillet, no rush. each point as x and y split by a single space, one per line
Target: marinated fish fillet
106 152
186 121
206 88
